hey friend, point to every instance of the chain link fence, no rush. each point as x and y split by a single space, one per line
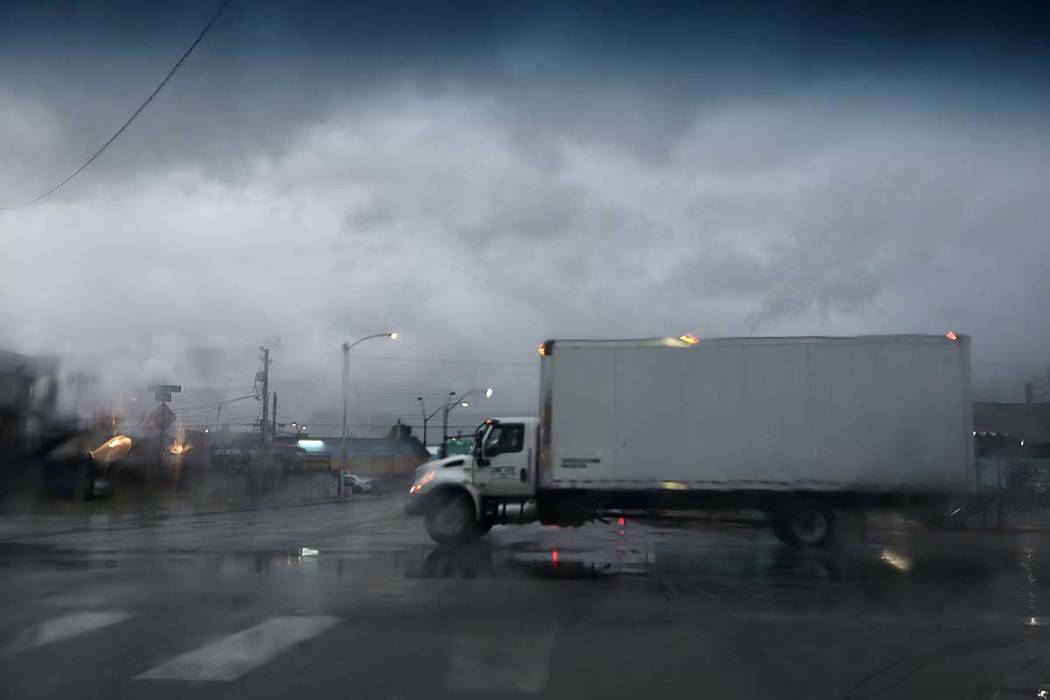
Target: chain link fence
1019 491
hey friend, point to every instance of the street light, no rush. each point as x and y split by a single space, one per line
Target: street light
218 408
392 335
451 405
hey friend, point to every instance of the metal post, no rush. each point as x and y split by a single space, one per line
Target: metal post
423 409
273 418
444 424
264 426
346 388
444 432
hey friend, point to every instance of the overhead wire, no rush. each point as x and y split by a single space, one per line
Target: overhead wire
134 115
420 360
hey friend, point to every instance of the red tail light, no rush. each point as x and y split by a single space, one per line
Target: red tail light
950 335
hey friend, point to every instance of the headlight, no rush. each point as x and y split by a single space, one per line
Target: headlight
427 478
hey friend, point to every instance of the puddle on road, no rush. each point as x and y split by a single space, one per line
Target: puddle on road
478 561
720 565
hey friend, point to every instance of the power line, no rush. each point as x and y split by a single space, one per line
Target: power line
447 362
218 395
134 114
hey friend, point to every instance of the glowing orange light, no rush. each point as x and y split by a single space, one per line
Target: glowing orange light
542 350
179 448
116 448
950 335
689 339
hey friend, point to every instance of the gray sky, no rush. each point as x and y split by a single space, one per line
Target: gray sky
481 178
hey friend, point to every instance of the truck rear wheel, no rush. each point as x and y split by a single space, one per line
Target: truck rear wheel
451 520
807 524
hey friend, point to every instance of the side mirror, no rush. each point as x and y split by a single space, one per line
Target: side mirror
479 457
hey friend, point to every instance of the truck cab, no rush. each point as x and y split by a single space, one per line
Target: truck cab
463 496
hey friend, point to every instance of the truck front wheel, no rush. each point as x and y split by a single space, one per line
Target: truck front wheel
807 524
451 520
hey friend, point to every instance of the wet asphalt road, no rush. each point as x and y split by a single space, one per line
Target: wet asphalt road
352 600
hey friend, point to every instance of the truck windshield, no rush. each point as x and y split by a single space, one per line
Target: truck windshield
504 438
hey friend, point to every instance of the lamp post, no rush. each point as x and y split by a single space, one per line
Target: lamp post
218 408
448 408
427 417
392 335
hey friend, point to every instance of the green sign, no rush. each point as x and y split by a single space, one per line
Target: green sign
163 392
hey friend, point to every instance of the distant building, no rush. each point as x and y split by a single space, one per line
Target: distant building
1011 429
399 452
28 398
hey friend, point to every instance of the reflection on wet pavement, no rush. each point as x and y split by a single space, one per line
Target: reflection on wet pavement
966 606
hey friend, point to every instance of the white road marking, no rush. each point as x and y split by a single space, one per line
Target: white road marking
516 662
231 657
65 627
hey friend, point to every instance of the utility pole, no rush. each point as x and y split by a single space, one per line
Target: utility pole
423 408
444 423
264 376
273 426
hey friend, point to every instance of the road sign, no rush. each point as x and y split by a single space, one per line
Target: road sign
163 392
160 418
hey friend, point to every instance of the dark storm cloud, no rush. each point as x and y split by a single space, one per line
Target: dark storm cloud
483 176
619 71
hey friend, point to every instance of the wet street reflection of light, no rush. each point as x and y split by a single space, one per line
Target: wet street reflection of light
897 561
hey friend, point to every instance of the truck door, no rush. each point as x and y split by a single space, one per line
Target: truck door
506 467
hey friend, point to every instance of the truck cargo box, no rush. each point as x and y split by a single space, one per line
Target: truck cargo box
883 414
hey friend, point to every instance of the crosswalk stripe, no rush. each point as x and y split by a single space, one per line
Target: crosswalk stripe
65 627
231 657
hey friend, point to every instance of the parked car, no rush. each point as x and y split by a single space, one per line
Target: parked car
356 484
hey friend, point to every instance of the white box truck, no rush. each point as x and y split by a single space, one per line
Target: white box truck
796 427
